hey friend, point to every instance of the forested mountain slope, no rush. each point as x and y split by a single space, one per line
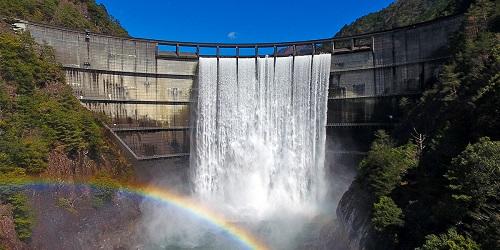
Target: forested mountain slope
74 14
433 182
404 13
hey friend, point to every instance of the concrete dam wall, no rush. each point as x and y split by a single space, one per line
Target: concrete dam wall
147 87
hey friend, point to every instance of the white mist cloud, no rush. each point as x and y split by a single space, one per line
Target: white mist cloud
231 35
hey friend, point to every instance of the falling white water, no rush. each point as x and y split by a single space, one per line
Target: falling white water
259 138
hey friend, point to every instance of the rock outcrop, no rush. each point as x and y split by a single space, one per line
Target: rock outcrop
353 215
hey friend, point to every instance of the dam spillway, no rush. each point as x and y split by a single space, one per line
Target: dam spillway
146 87
259 136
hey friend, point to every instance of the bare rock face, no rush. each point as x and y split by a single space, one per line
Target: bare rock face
353 214
62 167
78 224
8 235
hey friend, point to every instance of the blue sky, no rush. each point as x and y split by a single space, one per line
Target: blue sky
238 21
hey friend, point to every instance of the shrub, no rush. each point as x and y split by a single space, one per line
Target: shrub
104 188
23 216
67 204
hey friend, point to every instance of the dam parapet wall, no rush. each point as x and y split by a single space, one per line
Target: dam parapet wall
148 87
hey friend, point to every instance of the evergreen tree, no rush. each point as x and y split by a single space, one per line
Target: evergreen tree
451 240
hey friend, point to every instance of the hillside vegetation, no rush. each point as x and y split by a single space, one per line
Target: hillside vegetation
74 14
403 13
39 113
434 183
44 130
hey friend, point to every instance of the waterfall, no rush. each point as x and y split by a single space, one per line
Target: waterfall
259 133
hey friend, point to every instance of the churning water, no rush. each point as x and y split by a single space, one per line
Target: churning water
259 137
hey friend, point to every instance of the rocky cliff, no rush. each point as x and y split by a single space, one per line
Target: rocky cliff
353 216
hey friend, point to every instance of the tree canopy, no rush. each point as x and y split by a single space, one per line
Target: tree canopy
443 193
74 14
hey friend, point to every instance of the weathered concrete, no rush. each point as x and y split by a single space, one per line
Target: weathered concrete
137 86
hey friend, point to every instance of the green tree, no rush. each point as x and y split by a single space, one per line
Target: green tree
473 178
387 216
384 167
23 216
451 240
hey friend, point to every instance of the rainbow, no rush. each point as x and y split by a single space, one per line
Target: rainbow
238 234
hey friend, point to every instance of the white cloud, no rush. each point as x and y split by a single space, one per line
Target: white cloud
231 35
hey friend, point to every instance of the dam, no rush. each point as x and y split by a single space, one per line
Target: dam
148 88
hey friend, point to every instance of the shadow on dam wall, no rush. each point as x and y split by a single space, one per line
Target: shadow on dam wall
147 90
171 173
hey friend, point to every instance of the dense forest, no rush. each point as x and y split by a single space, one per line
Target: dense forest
44 130
434 181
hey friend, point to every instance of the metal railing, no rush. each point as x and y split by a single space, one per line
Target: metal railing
281 49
